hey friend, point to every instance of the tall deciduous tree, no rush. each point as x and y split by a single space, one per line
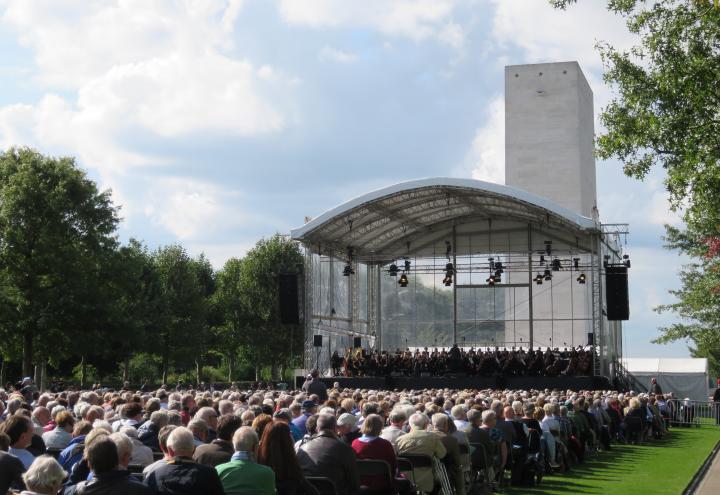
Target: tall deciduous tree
666 113
232 312
183 308
265 339
56 229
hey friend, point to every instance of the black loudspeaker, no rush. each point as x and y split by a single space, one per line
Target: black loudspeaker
317 340
591 339
357 342
288 297
616 293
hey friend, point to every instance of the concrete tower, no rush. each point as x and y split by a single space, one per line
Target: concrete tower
549 134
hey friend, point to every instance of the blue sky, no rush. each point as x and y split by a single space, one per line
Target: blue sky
217 122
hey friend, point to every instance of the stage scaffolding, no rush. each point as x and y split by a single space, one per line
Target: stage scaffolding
422 231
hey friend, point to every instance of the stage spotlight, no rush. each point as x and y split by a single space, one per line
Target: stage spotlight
447 281
490 280
403 280
449 272
347 271
556 265
576 263
581 278
491 263
407 265
539 279
393 270
547 276
626 260
499 268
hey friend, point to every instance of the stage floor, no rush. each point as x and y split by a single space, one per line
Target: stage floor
470 382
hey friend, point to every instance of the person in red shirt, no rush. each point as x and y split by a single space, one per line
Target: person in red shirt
371 446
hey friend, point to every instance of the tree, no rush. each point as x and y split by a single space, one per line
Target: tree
666 113
265 339
183 314
56 229
231 311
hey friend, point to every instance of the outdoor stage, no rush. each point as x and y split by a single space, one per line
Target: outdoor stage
470 382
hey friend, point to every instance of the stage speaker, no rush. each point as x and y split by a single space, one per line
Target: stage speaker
357 342
317 340
616 293
591 339
288 297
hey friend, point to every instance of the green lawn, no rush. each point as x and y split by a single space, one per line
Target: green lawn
658 467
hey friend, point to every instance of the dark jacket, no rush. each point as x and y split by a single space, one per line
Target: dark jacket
148 435
116 482
327 456
319 388
214 453
182 476
11 470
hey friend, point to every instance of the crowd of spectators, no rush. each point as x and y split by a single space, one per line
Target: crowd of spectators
295 442
458 360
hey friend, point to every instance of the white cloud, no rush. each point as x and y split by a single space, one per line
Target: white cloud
486 158
191 209
330 54
417 20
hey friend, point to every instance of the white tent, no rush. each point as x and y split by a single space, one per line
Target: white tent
685 377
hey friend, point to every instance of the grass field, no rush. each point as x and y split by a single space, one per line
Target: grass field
658 467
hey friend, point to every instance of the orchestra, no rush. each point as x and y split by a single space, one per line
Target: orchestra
359 362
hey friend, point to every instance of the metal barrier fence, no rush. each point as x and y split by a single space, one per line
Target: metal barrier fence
693 412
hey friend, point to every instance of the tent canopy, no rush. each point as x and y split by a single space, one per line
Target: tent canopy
685 377
666 365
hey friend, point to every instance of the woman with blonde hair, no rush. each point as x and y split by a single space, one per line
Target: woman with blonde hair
44 477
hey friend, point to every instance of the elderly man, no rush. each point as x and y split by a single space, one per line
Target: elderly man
199 429
162 440
221 449
141 455
210 416
346 430
326 455
180 475
420 441
148 432
242 474
397 418
452 460
74 451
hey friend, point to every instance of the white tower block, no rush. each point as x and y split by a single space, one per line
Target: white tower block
549 134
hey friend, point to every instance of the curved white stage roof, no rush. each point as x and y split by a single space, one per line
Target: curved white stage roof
371 221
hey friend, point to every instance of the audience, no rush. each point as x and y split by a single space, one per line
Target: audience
273 441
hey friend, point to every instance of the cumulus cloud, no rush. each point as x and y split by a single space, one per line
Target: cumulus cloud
417 20
486 158
191 209
132 66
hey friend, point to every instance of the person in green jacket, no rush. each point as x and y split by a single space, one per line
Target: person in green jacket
242 475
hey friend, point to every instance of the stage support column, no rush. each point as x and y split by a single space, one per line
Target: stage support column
454 249
530 286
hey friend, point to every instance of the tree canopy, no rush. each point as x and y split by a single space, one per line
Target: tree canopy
70 292
666 113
